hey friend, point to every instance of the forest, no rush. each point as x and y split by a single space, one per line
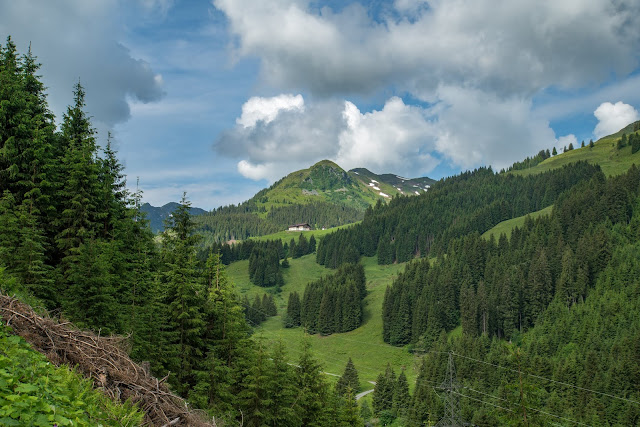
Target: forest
471 201
535 327
333 303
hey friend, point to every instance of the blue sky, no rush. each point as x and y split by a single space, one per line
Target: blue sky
220 98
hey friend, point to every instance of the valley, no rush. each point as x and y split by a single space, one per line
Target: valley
364 345
519 287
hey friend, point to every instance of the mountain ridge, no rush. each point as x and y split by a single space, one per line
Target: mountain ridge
323 195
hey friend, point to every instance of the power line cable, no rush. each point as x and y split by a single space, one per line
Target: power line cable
549 379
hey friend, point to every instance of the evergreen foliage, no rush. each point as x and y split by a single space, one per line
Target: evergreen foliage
246 220
348 381
475 201
557 300
500 290
383 391
530 162
334 303
292 318
264 267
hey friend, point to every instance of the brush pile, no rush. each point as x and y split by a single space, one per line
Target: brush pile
103 360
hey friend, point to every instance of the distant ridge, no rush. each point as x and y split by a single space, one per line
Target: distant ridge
157 215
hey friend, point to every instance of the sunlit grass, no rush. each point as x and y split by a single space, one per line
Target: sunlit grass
364 345
507 226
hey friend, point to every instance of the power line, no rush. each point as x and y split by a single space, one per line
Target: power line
453 388
483 362
485 402
549 379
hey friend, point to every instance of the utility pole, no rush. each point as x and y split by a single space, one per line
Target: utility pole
450 386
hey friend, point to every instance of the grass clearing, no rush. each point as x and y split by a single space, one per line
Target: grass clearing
364 345
507 226
604 152
286 236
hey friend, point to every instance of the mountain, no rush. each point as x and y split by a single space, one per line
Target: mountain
157 215
324 195
390 184
326 181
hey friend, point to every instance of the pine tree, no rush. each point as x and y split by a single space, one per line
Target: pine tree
312 244
78 197
325 316
383 391
401 397
254 398
281 389
348 380
349 414
185 296
94 302
292 318
312 390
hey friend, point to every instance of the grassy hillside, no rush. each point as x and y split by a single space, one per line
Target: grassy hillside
326 181
507 226
604 153
286 236
324 195
364 345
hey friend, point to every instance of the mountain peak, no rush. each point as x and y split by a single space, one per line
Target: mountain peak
326 175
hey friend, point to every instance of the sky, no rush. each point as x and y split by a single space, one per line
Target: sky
222 98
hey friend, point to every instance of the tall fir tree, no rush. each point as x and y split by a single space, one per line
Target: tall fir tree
292 318
185 297
348 380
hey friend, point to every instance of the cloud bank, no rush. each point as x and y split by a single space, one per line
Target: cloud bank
475 66
74 40
502 46
277 135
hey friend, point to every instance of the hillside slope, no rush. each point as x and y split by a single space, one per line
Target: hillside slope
324 195
605 153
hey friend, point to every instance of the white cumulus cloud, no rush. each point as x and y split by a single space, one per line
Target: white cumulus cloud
475 128
613 117
397 138
466 128
267 109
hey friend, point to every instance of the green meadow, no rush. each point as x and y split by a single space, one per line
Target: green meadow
364 345
604 152
286 236
507 226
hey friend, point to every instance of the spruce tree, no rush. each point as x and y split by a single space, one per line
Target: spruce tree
185 296
349 414
348 380
384 390
282 390
312 390
292 318
401 397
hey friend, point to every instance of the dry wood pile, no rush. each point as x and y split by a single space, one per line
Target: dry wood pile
101 359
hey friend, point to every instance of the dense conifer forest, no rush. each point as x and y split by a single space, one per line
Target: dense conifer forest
333 303
470 202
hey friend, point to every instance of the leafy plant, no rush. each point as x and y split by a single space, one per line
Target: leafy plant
34 392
